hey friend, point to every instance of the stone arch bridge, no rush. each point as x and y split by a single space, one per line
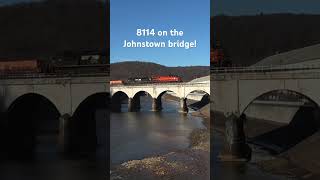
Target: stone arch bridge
233 90
71 100
65 93
156 90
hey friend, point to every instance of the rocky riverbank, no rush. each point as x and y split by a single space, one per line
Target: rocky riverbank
192 163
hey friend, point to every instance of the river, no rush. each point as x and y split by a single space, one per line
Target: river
137 135
47 162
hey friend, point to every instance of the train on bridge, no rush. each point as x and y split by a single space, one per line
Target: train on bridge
89 63
152 79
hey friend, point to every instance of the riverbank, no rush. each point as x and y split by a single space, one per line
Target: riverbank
299 162
192 163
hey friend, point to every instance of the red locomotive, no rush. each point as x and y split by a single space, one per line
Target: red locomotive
166 79
152 79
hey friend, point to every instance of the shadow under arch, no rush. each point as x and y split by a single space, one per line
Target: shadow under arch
89 125
28 118
164 98
117 100
140 101
266 93
197 103
280 137
164 92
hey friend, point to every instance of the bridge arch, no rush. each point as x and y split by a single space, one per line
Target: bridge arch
149 91
30 116
89 123
245 102
157 90
197 90
11 98
135 103
162 91
116 93
302 122
206 95
158 103
197 101
165 91
189 91
117 100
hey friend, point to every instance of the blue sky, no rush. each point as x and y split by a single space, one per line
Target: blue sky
191 16
247 7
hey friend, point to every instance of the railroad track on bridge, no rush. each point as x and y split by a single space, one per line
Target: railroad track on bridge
52 75
255 69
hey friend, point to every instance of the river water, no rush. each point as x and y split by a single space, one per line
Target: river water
47 163
137 135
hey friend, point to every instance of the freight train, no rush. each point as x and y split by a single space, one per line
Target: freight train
83 64
152 79
25 66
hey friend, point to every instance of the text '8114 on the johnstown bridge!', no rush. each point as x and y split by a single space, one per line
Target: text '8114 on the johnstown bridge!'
180 43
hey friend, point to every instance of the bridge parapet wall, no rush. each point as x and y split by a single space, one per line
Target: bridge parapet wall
233 92
65 93
155 90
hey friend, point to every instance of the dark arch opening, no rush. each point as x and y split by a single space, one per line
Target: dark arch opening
33 127
89 126
197 99
119 102
169 100
278 135
142 101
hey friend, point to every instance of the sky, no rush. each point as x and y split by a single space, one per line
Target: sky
249 7
190 16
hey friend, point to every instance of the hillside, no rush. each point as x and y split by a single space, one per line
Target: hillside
51 27
124 70
249 39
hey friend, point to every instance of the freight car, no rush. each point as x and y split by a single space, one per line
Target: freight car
80 62
34 66
24 66
139 80
116 82
80 58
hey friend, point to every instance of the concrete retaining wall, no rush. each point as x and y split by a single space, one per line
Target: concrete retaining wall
271 112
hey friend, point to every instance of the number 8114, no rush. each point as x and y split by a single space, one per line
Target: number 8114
145 32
